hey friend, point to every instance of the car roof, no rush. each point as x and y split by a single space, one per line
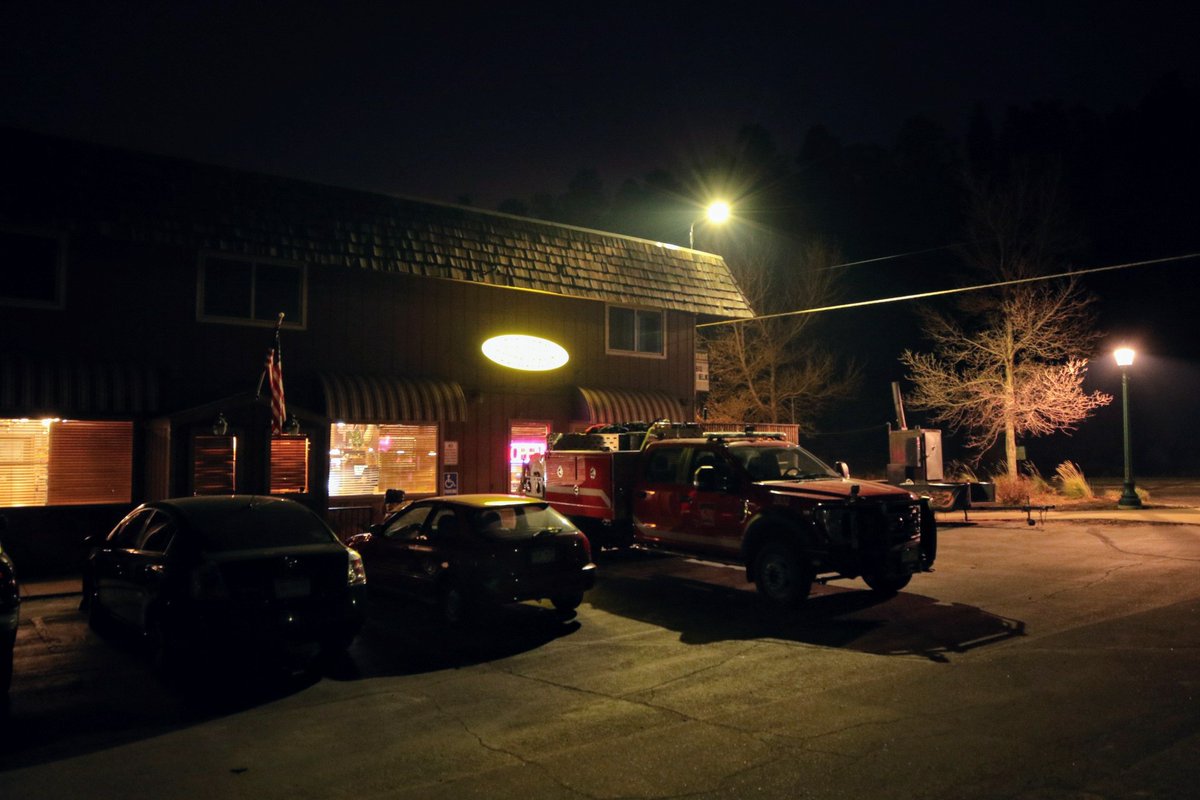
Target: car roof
219 501
478 501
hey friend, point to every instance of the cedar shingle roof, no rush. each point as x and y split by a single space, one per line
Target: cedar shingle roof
139 197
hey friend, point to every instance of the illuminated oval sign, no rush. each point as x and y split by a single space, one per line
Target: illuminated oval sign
525 352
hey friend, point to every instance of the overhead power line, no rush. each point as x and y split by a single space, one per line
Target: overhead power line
895 256
959 290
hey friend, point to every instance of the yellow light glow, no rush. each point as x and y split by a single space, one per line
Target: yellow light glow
1124 356
718 211
529 353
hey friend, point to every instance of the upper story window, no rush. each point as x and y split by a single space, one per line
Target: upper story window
636 331
32 266
251 290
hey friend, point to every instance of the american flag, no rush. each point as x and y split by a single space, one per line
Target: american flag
274 372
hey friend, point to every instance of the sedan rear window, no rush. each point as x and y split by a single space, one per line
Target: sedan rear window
518 522
258 525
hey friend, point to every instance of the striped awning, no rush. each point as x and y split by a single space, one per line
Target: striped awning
629 405
373 398
33 387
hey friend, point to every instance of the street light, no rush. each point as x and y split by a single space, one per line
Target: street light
717 212
1129 497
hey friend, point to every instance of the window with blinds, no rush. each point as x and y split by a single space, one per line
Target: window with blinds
289 464
214 464
55 462
370 459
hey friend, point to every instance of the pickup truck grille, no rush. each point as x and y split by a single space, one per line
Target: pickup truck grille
872 525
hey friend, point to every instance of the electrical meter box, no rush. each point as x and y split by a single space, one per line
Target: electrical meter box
914 455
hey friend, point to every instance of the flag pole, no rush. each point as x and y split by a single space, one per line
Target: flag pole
263 375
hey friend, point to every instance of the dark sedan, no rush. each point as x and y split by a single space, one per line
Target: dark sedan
10 613
485 548
264 574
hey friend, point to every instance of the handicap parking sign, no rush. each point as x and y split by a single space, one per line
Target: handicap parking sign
449 483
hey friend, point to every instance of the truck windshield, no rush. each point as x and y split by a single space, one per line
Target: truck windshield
780 463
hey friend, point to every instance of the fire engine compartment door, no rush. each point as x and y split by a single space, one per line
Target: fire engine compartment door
580 484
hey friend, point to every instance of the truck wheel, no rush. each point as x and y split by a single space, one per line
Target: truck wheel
886 581
781 574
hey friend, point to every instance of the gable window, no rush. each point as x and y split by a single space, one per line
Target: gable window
637 331
32 266
249 290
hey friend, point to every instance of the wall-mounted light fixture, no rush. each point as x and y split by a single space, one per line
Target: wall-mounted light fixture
530 353
220 425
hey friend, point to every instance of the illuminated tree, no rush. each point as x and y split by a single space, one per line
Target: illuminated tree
1011 361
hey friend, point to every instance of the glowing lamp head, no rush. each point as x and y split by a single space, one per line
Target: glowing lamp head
529 353
1124 356
718 211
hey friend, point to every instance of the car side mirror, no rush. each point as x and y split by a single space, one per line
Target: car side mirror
842 468
365 538
710 479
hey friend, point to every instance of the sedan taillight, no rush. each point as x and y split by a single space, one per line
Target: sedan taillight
356 575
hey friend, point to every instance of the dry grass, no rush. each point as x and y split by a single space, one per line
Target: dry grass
1071 482
1024 487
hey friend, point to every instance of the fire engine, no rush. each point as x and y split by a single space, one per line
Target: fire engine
742 497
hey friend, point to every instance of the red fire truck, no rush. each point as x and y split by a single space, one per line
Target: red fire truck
741 497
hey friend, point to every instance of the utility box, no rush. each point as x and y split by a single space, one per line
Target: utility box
914 455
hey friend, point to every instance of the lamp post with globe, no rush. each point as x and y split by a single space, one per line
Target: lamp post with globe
1129 497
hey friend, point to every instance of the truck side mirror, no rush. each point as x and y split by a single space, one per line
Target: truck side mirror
842 468
710 479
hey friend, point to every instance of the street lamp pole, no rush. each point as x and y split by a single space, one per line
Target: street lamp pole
716 212
1129 497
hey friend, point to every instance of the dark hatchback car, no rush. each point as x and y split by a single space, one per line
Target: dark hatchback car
468 550
264 575
10 613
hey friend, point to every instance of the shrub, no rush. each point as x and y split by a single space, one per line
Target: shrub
1020 488
1072 483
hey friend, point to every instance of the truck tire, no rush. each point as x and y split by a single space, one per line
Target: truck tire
781 574
886 581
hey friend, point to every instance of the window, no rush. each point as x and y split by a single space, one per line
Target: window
32 266
56 462
408 524
245 290
214 464
371 458
289 464
635 331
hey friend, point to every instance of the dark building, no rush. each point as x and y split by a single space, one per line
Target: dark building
139 298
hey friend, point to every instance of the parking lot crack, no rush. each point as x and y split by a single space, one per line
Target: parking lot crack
520 759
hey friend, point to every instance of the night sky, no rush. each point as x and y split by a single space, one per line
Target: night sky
481 103
490 101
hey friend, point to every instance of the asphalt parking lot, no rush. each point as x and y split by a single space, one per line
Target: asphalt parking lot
1054 661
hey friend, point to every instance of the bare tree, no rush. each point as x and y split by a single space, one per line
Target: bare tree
773 370
1011 362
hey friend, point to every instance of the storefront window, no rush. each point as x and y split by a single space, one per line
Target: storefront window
53 462
524 439
370 459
